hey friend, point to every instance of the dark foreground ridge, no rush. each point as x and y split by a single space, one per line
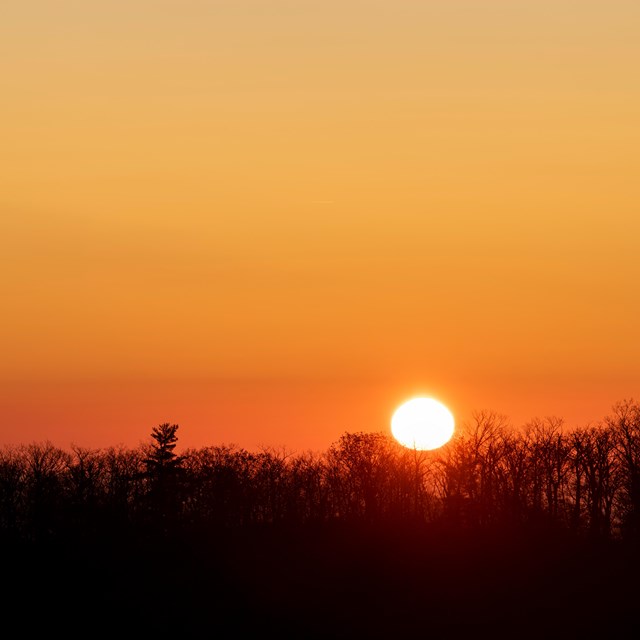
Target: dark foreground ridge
331 581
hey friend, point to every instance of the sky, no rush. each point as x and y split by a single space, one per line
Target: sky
273 221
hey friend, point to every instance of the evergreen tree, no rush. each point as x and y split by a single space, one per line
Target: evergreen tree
163 466
162 460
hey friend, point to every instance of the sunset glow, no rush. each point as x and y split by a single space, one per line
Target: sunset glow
268 220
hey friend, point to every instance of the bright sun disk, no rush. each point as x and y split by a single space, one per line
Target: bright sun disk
422 423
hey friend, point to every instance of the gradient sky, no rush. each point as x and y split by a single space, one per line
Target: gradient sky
273 221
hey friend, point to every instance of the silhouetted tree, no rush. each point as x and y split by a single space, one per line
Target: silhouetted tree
12 484
469 470
84 485
625 424
124 484
514 477
271 484
549 463
307 497
218 488
359 469
45 465
162 460
163 466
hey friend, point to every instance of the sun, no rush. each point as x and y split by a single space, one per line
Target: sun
422 423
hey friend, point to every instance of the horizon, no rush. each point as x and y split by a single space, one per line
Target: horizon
229 425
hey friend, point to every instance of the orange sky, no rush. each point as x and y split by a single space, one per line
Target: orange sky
272 221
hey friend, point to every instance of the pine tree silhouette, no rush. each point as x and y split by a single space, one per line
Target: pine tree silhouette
163 466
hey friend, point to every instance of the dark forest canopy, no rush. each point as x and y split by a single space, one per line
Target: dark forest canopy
366 527
585 480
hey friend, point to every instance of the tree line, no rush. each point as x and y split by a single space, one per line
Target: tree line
583 480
